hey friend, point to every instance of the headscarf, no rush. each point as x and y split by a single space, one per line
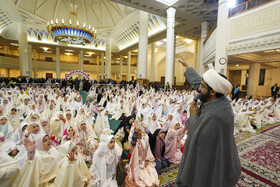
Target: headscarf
217 82
65 133
159 146
63 150
104 156
20 132
6 129
156 143
39 142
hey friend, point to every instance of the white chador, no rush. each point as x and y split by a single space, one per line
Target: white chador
102 122
39 169
56 126
105 161
118 112
72 173
244 123
8 167
14 120
152 124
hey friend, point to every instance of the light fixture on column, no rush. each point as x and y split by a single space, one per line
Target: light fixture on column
231 3
71 32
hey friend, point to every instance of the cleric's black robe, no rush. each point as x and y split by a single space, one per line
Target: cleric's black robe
210 157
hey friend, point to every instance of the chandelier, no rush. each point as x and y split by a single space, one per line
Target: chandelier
71 32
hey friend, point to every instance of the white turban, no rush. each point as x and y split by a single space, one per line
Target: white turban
218 83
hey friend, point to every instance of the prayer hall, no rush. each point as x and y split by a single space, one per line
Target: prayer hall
139 93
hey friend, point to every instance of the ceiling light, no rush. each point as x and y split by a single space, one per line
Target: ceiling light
188 40
167 2
125 56
69 50
71 31
45 48
90 53
68 54
278 50
14 44
237 65
159 43
231 3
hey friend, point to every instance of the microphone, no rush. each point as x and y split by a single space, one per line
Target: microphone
195 99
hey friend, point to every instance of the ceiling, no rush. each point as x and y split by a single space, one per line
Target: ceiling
269 59
189 13
116 18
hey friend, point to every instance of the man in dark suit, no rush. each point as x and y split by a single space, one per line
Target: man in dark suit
274 91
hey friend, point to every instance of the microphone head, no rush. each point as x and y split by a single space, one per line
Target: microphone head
196 97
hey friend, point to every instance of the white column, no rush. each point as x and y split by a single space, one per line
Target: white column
102 66
204 32
108 58
35 63
128 65
57 67
121 67
169 65
254 73
152 61
142 46
30 60
97 67
23 50
81 62
222 37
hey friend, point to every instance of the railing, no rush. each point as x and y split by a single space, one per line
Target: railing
65 62
247 6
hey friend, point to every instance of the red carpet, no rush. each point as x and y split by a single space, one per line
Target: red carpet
260 158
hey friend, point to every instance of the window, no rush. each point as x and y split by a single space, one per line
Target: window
261 77
48 59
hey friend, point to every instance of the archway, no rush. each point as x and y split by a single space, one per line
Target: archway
77 72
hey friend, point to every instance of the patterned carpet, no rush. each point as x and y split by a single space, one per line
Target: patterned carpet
260 158
259 155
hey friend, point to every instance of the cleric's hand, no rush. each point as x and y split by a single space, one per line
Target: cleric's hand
184 63
193 108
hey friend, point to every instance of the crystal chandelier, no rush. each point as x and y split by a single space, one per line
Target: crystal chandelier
71 32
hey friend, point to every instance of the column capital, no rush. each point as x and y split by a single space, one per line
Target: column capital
170 11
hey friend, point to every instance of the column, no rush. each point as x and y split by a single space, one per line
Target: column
6 49
108 59
81 62
243 78
204 32
30 60
121 67
253 81
23 50
97 68
152 61
142 46
128 65
169 65
102 66
222 37
35 63
57 67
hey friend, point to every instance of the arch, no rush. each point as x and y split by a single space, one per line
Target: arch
77 72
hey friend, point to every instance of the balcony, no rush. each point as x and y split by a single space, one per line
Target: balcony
248 5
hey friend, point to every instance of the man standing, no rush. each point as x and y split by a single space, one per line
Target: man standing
210 156
274 91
